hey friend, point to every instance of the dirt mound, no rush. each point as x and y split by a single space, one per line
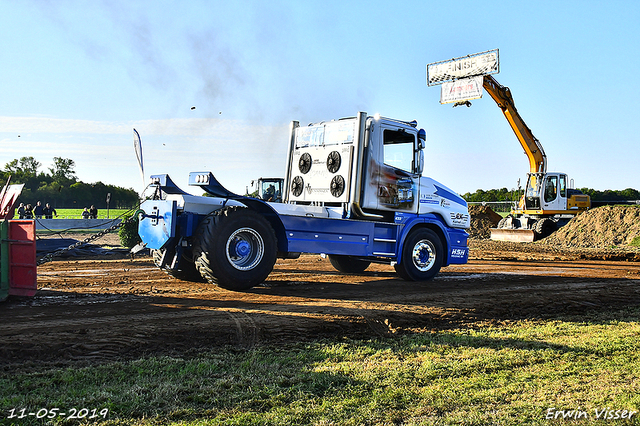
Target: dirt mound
602 227
482 219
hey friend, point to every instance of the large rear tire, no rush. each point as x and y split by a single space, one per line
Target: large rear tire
422 256
545 227
235 248
348 264
184 270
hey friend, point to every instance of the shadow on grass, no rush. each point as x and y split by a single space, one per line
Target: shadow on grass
333 380
63 327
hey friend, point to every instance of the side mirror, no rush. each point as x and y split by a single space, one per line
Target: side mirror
420 165
422 138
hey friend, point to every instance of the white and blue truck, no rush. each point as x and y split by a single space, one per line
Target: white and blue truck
353 191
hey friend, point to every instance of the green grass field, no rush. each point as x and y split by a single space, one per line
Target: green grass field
529 372
77 213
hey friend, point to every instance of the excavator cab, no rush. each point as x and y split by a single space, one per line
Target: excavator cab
546 192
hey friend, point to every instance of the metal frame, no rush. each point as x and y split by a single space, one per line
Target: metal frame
465 63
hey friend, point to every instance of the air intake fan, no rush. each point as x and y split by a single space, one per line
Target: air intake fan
304 164
333 161
337 186
297 185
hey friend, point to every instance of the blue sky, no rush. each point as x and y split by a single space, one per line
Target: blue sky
77 76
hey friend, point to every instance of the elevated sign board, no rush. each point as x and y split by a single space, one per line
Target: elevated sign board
465 89
467 66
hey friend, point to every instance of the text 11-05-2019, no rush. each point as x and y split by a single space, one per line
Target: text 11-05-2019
51 413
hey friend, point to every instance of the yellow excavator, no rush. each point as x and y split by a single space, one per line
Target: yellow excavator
549 200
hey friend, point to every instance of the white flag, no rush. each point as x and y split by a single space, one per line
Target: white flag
137 145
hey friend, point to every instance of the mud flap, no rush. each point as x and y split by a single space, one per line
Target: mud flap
517 235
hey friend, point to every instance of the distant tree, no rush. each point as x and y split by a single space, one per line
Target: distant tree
3 177
590 192
80 194
61 187
612 195
630 194
22 169
62 170
502 194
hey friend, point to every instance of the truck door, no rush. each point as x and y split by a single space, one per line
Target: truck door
397 180
562 192
555 193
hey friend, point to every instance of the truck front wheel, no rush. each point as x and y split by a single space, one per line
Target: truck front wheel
235 248
348 264
422 256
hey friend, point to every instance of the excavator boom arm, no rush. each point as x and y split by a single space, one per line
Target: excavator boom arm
531 145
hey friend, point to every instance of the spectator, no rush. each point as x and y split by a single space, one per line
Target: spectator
21 211
28 212
93 212
85 213
38 211
49 211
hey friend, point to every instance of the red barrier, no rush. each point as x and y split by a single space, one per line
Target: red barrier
22 258
18 267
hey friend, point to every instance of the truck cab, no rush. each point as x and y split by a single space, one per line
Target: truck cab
353 191
394 163
369 166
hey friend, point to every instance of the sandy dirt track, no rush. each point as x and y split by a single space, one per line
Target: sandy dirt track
91 310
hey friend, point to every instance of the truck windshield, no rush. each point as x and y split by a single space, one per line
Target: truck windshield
398 149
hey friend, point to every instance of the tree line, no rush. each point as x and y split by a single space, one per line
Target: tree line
503 194
60 186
